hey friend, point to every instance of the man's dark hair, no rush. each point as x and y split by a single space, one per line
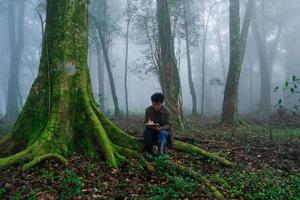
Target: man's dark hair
158 97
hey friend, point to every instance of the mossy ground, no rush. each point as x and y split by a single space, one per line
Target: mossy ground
267 167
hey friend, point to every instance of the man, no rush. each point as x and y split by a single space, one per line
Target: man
160 132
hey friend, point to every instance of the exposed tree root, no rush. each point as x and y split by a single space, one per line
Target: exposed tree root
184 170
43 158
188 148
14 159
134 154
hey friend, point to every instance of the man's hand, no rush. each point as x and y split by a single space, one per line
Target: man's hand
155 128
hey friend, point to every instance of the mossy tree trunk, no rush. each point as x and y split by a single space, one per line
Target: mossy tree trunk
60 115
230 103
168 72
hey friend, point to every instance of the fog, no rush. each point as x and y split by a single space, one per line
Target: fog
278 23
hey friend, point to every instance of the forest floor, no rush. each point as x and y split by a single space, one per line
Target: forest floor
266 158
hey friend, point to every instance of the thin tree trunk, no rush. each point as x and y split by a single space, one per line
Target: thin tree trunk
264 65
126 57
220 49
16 39
101 29
204 41
100 76
110 74
169 74
189 64
230 103
246 25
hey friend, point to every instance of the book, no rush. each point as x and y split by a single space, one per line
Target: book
151 124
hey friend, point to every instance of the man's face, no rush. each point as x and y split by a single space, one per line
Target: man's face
157 105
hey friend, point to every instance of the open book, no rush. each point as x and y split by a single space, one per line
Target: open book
151 123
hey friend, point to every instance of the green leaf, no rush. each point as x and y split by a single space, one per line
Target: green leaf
292 90
286 84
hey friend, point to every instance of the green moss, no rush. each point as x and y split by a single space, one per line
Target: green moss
196 150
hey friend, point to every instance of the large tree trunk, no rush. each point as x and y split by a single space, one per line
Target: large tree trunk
16 39
263 62
189 64
169 75
230 103
60 115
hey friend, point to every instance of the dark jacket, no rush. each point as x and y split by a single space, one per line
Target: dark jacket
165 123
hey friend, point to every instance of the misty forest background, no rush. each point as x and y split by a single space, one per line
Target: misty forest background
229 69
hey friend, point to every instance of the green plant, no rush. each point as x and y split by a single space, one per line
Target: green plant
159 193
184 184
291 89
2 191
48 175
71 184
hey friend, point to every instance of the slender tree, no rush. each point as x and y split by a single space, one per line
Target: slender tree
169 75
261 45
128 21
230 103
188 54
101 80
246 25
102 29
16 40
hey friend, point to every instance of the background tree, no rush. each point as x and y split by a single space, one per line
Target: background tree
16 39
129 12
169 75
230 103
187 23
104 30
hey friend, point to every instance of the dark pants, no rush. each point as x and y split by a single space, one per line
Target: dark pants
152 137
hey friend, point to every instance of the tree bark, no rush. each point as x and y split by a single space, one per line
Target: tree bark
169 75
230 103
